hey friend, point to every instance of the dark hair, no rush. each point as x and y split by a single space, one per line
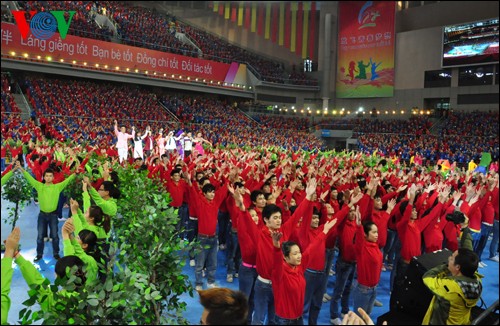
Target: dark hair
456 217
238 184
317 212
48 170
110 187
225 306
468 261
367 226
361 183
100 219
402 206
68 262
286 247
202 180
269 210
90 239
114 178
254 194
174 171
208 188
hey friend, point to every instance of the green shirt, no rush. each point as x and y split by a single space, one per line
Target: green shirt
73 248
34 278
6 177
7 272
48 195
80 223
108 207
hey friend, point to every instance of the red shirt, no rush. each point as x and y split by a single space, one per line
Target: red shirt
381 218
433 233
247 240
347 231
369 259
265 244
176 192
207 217
410 232
289 284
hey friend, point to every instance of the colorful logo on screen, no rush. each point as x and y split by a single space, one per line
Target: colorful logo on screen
43 25
367 16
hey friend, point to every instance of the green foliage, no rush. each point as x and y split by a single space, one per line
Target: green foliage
149 243
144 276
19 192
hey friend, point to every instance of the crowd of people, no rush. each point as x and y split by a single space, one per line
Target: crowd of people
286 212
147 28
82 22
281 122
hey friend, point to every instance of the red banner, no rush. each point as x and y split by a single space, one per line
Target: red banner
365 66
79 49
260 18
288 24
298 42
248 13
233 11
312 30
275 22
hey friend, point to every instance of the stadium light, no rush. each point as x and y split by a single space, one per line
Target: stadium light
25 55
49 58
13 53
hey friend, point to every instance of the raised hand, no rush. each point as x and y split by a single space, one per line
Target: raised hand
356 199
311 188
74 206
328 225
357 213
12 242
276 235
68 226
390 205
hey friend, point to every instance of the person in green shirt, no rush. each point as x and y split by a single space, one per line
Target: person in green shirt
84 246
48 198
105 197
9 174
34 278
7 270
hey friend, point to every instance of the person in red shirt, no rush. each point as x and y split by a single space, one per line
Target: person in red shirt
410 232
316 272
369 264
346 264
177 188
272 216
207 203
289 283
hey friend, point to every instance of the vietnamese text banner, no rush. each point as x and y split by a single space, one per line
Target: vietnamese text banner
365 61
112 54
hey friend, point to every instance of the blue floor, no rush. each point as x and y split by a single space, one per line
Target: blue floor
27 223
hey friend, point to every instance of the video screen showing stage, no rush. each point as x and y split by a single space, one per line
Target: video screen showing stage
471 43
